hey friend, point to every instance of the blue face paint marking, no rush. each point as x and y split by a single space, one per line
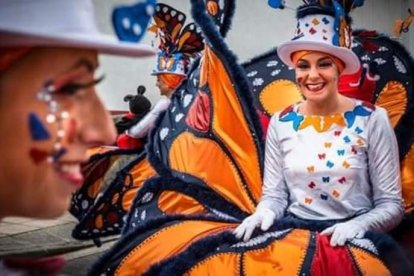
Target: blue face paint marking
58 154
38 131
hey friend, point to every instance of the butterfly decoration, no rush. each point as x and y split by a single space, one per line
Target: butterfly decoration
130 22
208 152
173 36
402 26
111 183
101 209
277 4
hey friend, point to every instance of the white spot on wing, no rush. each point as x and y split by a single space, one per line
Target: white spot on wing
272 63
399 65
178 117
187 100
275 72
258 82
380 61
252 74
164 133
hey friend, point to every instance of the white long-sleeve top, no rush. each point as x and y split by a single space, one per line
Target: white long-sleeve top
142 128
334 167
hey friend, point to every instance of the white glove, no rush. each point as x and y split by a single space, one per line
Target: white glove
345 231
263 217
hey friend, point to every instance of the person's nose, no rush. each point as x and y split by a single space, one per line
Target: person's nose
96 125
313 72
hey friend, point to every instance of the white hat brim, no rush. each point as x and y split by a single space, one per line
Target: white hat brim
350 59
102 43
166 72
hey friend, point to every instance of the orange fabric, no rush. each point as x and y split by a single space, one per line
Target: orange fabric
183 39
296 56
201 158
407 179
328 121
8 56
368 263
140 172
279 94
98 150
393 98
94 173
158 246
95 188
227 110
314 121
220 264
171 80
212 8
171 202
281 257
99 221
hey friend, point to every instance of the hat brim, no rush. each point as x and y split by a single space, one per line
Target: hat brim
166 72
102 43
350 59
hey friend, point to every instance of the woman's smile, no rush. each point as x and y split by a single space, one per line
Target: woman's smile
70 172
315 87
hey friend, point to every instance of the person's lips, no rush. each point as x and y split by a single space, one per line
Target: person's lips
71 172
315 87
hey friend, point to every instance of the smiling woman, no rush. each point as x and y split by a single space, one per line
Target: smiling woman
328 157
48 59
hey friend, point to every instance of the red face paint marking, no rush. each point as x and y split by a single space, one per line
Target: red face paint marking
38 156
71 130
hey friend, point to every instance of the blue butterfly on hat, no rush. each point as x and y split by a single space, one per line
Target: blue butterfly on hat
130 22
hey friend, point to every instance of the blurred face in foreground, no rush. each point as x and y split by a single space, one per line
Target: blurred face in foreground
53 116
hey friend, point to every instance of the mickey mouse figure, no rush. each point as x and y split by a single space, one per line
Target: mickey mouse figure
139 106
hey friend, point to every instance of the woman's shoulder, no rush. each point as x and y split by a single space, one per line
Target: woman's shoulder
373 115
375 110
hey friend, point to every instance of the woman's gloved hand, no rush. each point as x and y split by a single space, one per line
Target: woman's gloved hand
345 231
263 217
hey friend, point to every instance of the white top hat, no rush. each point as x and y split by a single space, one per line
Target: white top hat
62 23
317 32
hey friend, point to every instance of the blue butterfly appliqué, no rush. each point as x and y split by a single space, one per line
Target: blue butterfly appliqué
293 116
350 116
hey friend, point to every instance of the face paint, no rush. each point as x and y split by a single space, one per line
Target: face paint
38 156
37 130
54 116
71 133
